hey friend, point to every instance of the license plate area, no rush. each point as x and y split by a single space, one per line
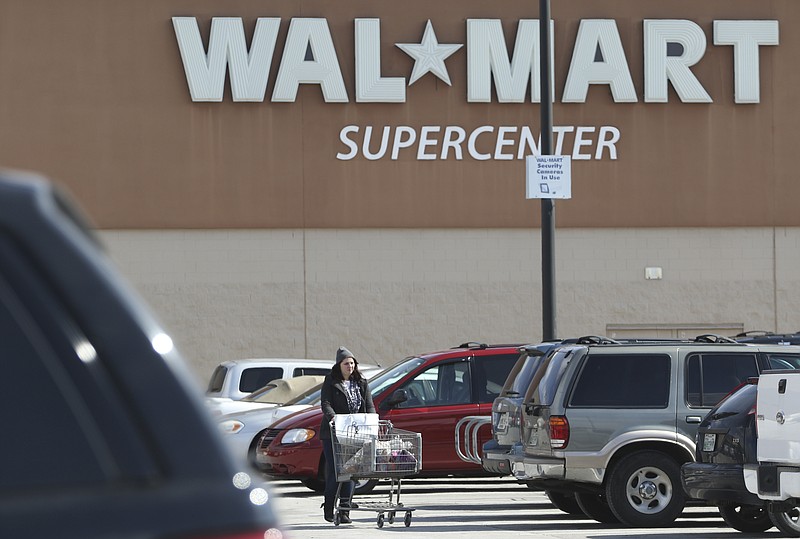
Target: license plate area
709 441
502 423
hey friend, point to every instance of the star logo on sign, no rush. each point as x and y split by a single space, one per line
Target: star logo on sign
428 55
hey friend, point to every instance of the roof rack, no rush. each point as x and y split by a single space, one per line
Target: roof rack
712 338
473 344
754 333
596 339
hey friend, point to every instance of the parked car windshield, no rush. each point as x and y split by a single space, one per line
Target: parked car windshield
380 382
377 384
254 396
312 396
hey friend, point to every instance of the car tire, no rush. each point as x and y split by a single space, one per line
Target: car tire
314 484
786 521
362 486
595 507
644 490
564 501
365 486
746 518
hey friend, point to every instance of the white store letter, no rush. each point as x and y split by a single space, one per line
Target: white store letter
584 70
660 68
323 69
370 86
746 37
205 74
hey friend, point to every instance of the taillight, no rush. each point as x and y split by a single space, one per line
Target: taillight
559 432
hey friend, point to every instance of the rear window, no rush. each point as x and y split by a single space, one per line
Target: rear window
743 400
709 377
313 371
217 379
623 381
520 383
491 373
554 366
257 377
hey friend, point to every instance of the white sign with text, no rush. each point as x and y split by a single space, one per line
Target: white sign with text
548 176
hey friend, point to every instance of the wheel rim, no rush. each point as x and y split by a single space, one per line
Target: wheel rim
792 518
649 490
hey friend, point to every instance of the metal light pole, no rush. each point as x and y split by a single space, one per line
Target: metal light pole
548 204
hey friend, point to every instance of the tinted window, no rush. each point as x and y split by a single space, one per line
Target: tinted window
740 402
554 365
42 436
490 375
709 377
63 421
784 361
623 381
314 371
257 377
442 384
217 379
520 383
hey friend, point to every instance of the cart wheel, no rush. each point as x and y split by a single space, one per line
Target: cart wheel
391 517
380 520
336 519
407 520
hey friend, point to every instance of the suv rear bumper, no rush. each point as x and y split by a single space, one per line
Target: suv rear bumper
533 468
500 459
717 483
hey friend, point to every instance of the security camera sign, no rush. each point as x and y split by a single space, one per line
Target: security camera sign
548 176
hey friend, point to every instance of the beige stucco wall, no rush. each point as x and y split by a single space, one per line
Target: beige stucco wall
388 293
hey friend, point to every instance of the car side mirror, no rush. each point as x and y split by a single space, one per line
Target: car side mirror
396 398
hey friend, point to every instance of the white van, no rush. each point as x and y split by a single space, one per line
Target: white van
239 377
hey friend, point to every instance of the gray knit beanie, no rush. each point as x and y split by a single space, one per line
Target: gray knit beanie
343 353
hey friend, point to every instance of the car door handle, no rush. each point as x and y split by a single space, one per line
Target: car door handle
693 419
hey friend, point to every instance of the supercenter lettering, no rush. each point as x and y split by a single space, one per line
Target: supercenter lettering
483 143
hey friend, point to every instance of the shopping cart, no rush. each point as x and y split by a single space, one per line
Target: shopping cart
369 453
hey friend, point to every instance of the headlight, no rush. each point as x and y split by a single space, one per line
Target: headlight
231 426
297 436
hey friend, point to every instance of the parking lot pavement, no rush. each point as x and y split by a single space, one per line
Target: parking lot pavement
478 508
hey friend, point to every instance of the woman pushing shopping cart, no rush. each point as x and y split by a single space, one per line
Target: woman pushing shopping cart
365 447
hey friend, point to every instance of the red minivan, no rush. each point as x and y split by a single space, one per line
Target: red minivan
428 394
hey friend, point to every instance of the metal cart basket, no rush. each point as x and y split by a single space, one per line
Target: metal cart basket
385 452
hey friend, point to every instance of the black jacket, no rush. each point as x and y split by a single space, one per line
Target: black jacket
334 401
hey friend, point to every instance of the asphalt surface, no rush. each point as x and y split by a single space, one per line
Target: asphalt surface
476 508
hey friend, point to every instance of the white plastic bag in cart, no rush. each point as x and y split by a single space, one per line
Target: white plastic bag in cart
355 428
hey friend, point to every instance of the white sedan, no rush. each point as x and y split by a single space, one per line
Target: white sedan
243 429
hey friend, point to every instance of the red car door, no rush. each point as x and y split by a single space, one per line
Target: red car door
438 397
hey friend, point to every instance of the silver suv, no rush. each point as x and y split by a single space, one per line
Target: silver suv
612 422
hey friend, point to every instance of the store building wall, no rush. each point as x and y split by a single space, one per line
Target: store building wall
389 293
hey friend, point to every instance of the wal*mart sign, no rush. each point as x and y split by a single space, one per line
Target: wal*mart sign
548 176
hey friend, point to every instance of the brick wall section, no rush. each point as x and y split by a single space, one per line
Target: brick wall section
388 293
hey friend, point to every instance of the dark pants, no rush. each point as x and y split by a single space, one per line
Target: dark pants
330 477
